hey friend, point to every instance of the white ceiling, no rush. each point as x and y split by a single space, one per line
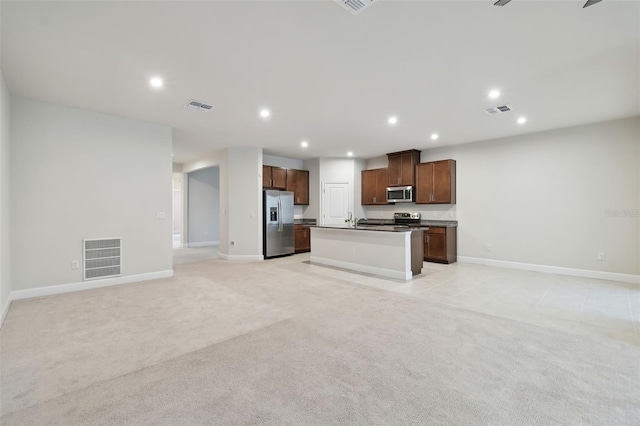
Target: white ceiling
329 77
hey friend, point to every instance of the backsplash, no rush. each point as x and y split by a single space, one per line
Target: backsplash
298 212
429 212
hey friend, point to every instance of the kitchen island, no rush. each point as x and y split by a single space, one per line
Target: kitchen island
386 250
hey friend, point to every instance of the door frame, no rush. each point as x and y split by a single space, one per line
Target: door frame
322 193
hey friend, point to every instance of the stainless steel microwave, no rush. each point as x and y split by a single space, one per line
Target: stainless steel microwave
400 194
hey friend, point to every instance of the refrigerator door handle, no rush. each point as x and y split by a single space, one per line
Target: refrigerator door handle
279 215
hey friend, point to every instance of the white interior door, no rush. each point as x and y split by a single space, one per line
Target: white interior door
335 203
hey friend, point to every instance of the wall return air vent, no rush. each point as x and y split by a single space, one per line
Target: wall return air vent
200 106
102 258
498 110
355 6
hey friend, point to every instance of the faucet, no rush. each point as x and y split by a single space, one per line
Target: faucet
349 219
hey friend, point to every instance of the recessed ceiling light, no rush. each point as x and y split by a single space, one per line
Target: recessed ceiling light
522 120
265 113
350 154
304 144
494 94
156 82
392 120
434 136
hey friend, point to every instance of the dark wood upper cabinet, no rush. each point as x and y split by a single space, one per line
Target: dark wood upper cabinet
274 177
374 186
402 167
298 183
436 182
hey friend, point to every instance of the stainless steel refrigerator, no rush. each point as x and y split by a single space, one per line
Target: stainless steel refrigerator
278 239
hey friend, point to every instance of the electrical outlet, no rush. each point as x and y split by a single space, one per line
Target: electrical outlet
601 255
160 216
488 247
450 214
75 264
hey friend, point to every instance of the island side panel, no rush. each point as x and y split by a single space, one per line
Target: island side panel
381 253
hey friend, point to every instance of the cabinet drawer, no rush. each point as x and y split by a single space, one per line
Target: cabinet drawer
437 230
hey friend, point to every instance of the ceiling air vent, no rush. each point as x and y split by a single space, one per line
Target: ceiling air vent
498 110
354 6
192 104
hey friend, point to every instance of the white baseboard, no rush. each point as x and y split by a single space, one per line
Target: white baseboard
86 285
5 310
585 273
203 244
389 273
240 256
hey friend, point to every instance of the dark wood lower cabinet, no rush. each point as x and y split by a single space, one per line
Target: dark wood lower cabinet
302 238
440 244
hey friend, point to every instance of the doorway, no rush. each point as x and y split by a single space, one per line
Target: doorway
200 216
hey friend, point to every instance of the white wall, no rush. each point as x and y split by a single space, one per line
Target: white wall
5 198
287 163
381 162
176 206
81 174
244 205
313 209
543 198
204 207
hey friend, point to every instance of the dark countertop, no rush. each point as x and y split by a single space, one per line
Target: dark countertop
390 222
379 228
443 223
304 221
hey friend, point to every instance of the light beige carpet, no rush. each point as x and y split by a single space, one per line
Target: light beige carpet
327 351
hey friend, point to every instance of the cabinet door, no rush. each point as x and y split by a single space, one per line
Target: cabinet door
302 188
266 176
302 238
298 183
292 183
444 182
395 170
307 239
368 187
436 247
382 178
299 239
279 177
406 169
424 183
